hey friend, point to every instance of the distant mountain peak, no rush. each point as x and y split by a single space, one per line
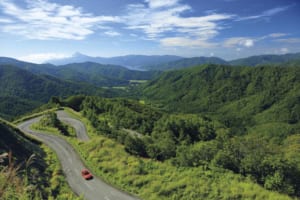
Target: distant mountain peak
78 54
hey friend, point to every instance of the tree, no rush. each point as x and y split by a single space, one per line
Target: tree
135 146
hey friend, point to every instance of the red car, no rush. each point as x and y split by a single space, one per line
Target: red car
86 174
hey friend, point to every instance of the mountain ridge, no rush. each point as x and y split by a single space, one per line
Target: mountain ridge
129 61
165 62
21 90
105 75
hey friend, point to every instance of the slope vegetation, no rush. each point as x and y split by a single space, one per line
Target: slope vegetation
185 63
21 91
197 154
85 72
101 75
251 102
26 170
229 90
266 59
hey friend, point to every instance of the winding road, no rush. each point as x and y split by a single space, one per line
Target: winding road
78 125
95 189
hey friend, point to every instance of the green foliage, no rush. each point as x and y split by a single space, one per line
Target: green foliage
260 102
186 62
244 131
101 75
119 113
150 179
240 97
151 133
50 120
135 146
22 91
74 102
267 59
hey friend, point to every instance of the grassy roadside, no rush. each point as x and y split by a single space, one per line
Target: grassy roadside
58 186
53 184
150 179
22 119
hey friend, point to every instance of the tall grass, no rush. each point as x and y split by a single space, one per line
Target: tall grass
14 184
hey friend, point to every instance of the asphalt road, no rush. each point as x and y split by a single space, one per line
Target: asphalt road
78 125
94 189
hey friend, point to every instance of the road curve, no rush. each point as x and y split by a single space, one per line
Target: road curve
72 165
78 125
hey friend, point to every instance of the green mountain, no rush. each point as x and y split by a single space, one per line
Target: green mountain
243 98
101 75
130 61
34 68
21 91
266 59
186 62
287 59
87 72
207 88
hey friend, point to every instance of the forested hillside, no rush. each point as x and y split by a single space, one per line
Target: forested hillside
238 92
101 75
130 61
209 141
185 63
21 91
266 59
259 107
104 75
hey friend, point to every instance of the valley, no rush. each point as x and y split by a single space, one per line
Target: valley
150 100
208 131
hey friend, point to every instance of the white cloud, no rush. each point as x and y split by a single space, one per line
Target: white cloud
185 42
289 40
284 50
4 20
42 57
169 26
161 3
239 41
247 43
44 20
266 13
277 35
112 33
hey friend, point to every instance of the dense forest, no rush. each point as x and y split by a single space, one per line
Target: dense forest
22 91
258 95
186 63
193 140
266 59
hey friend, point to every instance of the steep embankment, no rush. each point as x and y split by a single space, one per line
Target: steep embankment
20 165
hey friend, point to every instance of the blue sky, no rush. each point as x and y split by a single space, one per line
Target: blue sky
37 30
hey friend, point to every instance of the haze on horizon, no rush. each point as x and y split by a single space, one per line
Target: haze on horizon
39 30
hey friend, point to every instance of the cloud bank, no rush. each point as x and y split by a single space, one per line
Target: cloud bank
43 20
